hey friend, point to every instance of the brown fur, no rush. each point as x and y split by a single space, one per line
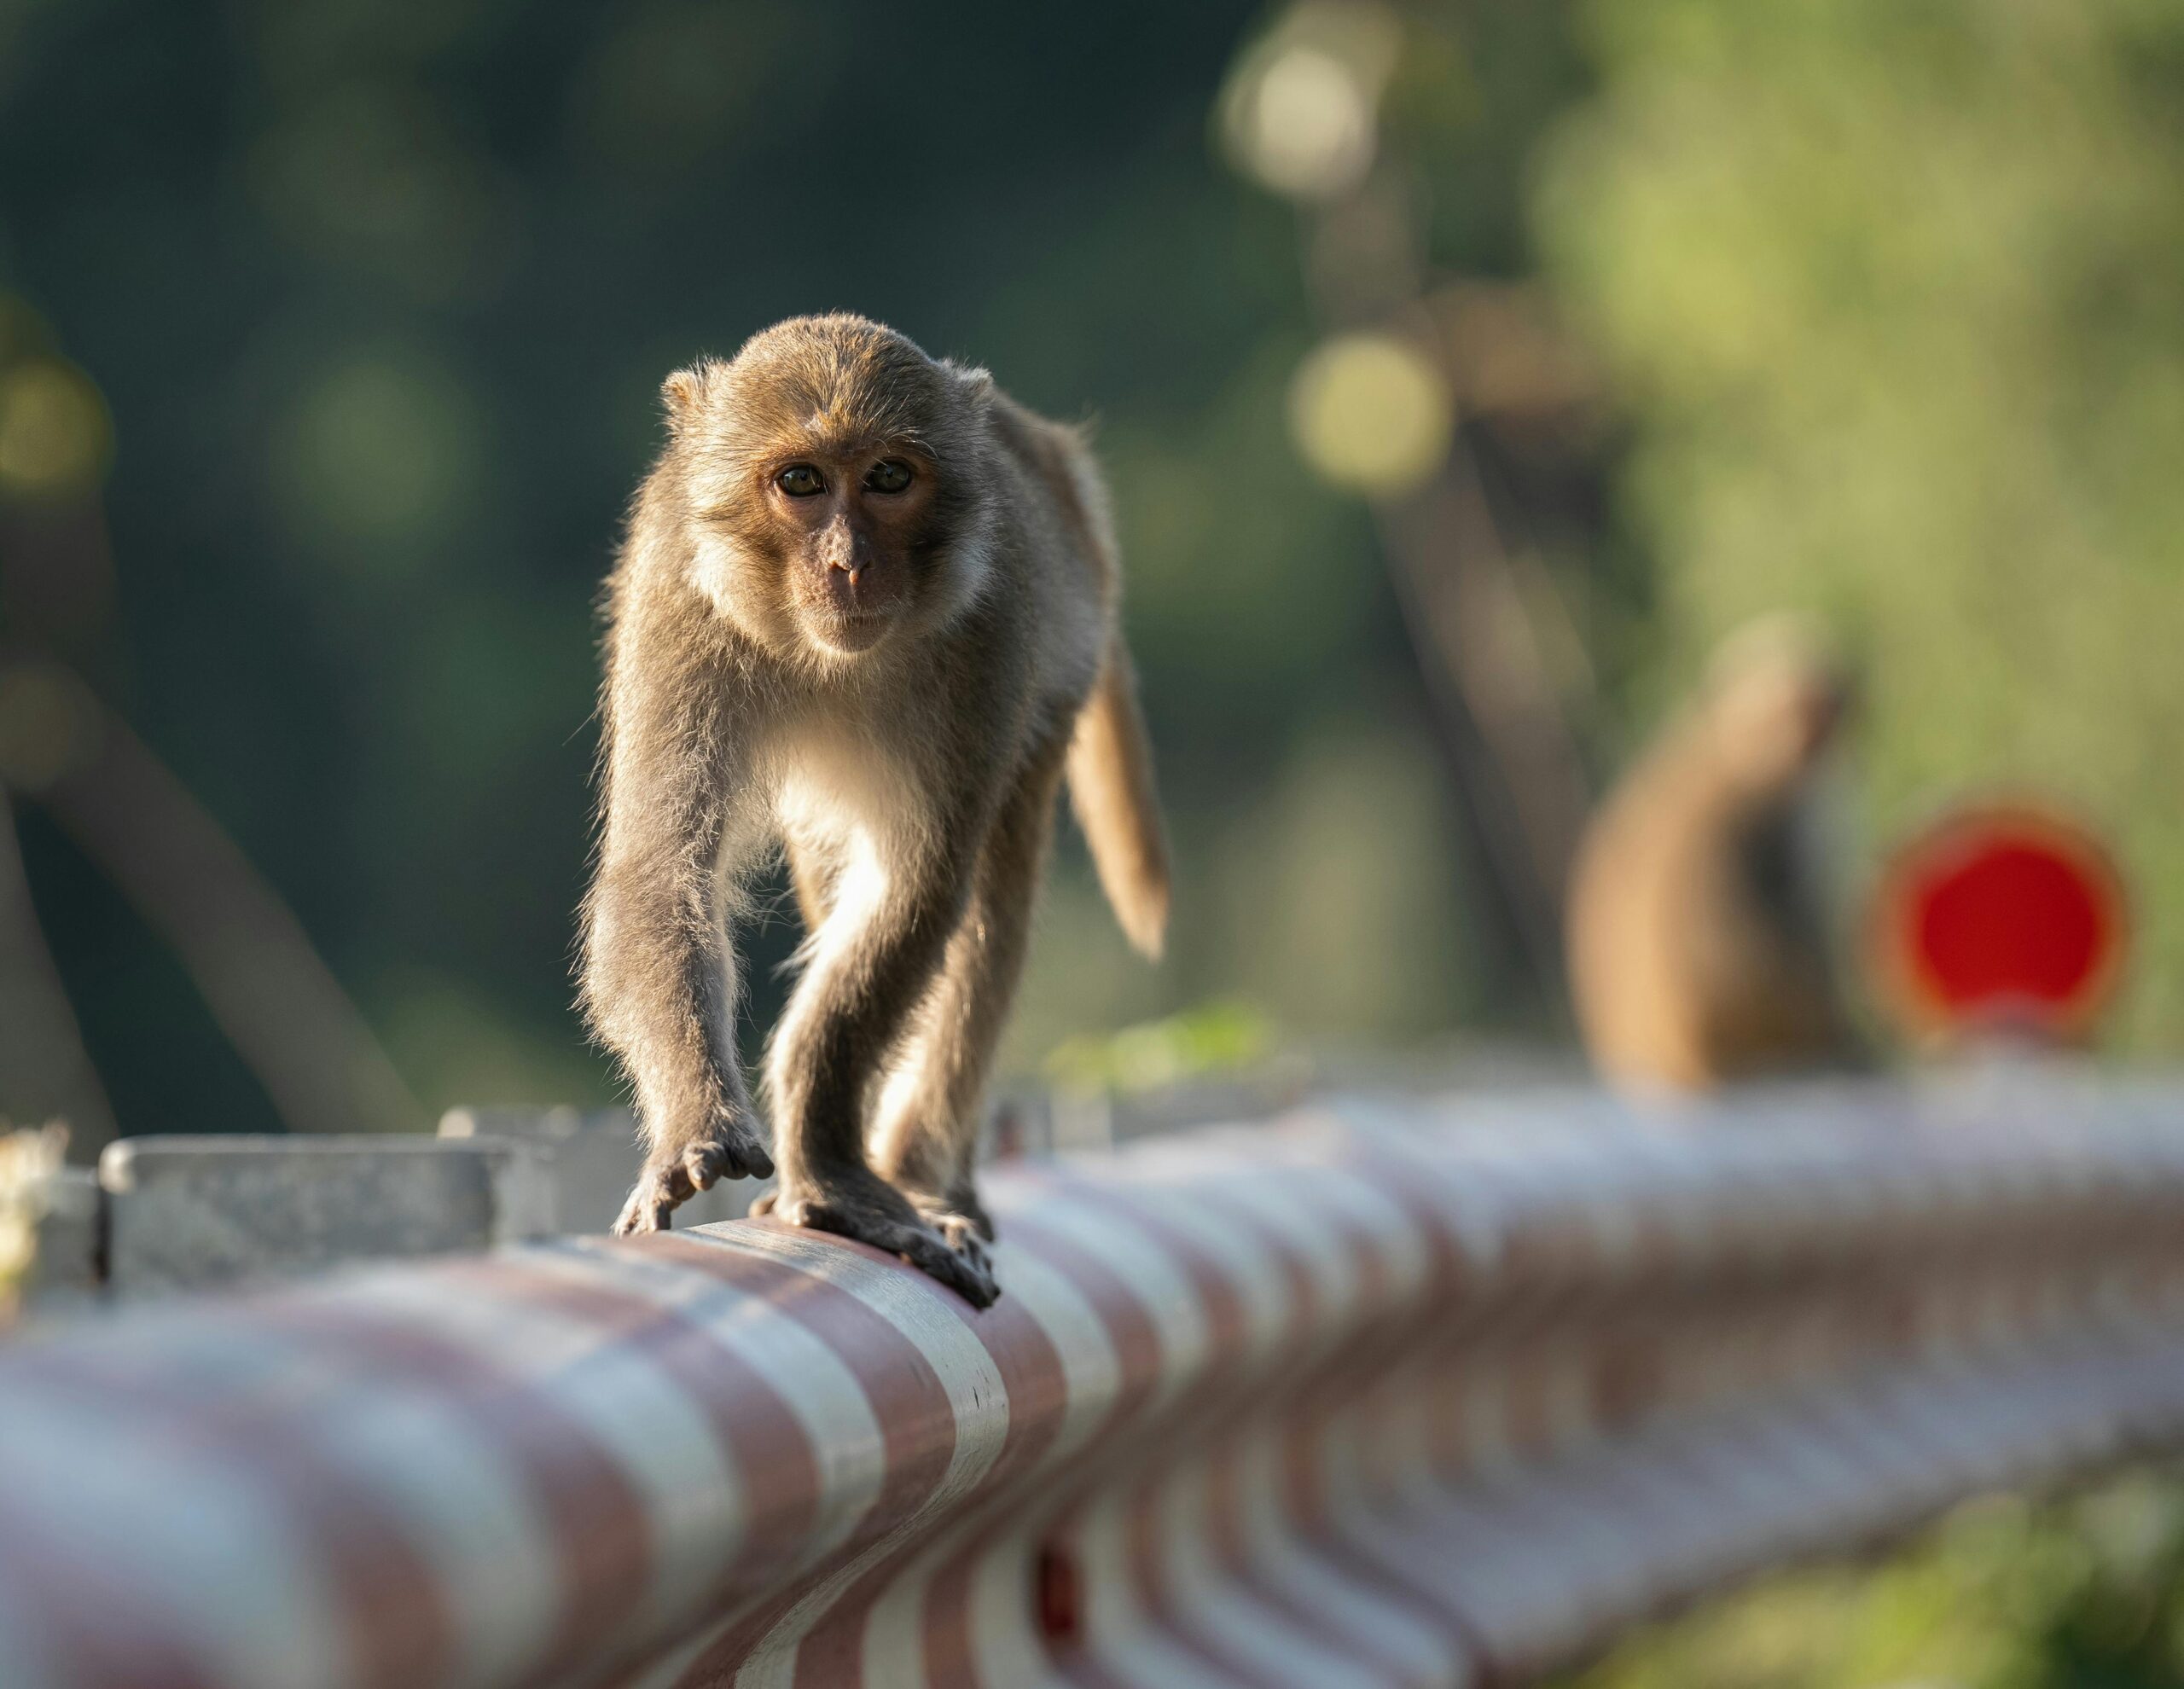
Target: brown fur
886 681
1698 949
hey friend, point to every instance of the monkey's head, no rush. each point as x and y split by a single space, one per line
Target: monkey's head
1776 700
838 483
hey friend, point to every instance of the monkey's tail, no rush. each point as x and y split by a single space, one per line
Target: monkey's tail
1111 788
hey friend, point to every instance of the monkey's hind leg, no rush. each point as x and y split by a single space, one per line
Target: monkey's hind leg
873 960
931 1108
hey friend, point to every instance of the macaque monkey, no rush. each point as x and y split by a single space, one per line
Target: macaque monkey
866 613
1698 940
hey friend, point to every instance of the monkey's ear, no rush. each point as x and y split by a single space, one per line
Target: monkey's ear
976 385
682 393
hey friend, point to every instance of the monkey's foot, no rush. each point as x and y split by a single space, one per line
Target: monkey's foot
957 1260
952 1211
673 1174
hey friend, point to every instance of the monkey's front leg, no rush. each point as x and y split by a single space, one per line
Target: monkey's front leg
872 963
659 978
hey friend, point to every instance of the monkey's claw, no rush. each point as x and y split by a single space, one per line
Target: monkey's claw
735 1154
965 1235
966 1269
646 1210
673 1176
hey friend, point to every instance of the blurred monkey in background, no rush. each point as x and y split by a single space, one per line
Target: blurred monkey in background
1698 932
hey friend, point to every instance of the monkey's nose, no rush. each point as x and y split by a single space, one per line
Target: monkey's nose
840 547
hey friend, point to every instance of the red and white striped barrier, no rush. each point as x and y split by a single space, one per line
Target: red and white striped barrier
1370 1395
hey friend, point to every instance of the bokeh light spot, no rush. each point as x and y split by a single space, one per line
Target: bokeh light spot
1371 414
1301 112
1311 127
379 179
56 437
379 453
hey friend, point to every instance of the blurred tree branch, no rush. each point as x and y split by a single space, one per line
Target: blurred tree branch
1472 631
44 1069
267 987
1381 408
276 1001
1518 774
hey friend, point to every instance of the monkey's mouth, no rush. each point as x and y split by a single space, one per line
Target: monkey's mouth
851 631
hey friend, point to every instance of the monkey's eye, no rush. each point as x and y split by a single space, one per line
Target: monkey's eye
800 480
889 475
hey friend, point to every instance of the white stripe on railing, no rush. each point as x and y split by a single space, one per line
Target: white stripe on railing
1372 1395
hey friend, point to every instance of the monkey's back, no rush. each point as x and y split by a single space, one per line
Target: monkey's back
1686 968
1056 548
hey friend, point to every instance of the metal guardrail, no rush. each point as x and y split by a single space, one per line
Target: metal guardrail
1371 1394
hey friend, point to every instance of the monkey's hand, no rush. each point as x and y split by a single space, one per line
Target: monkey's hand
872 1211
679 1167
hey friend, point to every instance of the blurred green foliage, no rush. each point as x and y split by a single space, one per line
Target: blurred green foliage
1214 1038
1893 301
2082 1593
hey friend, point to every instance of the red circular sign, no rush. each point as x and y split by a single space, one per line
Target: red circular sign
2000 919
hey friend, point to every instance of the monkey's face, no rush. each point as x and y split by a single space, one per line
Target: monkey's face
838 478
854 530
